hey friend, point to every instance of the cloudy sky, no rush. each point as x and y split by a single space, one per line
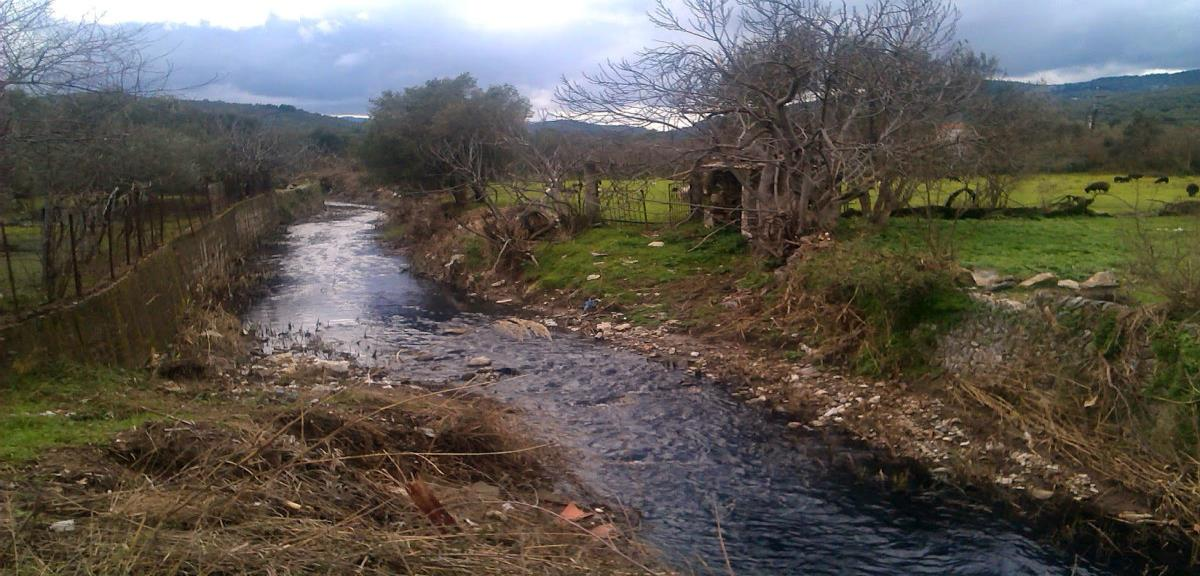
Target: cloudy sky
332 56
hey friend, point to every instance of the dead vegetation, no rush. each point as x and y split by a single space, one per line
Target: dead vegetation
1110 412
334 477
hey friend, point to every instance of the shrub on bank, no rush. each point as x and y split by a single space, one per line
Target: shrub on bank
879 308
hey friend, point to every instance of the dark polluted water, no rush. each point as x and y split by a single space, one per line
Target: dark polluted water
677 450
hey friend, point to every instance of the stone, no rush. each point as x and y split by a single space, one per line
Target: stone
794 425
1101 286
604 326
499 283
991 280
1040 280
479 362
591 277
63 526
1041 493
1068 284
335 366
455 260
622 327
1104 279
962 277
656 244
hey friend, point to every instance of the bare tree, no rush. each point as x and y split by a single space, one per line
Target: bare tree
831 104
41 54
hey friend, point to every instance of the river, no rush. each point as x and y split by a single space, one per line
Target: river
678 450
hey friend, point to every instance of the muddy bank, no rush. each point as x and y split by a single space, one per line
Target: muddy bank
920 432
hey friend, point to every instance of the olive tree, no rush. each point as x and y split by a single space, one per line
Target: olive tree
447 134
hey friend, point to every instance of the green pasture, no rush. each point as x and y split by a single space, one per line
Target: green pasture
1072 248
67 406
1041 190
623 200
649 200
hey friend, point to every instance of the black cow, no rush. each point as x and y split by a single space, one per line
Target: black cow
1162 180
1121 179
1097 187
1135 176
1193 189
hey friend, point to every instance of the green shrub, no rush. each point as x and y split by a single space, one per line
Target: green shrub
1177 371
889 304
1176 380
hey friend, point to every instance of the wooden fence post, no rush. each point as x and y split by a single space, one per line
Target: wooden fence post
74 259
49 278
137 219
591 193
12 279
125 231
112 267
162 229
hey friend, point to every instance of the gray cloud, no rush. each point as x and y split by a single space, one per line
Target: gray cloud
337 65
339 70
1077 39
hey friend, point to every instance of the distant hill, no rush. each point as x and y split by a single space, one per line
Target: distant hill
1173 98
1127 84
277 115
577 127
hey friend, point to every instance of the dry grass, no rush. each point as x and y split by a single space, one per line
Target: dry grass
318 485
1097 414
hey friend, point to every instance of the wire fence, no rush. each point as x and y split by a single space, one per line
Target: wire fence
643 202
55 253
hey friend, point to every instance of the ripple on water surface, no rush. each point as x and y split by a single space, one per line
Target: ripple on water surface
676 449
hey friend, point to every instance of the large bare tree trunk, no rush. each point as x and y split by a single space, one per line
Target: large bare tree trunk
591 193
695 194
764 196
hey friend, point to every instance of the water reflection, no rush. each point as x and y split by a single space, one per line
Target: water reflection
678 450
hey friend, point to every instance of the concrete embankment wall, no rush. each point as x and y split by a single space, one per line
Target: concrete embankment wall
126 322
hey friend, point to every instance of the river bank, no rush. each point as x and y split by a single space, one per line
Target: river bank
220 457
929 435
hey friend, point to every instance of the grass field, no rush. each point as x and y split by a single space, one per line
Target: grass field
1070 247
649 200
624 200
625 269
66 406
1040 190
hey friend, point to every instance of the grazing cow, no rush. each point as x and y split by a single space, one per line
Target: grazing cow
1135 176
1097 187
1162 180
1192 190
1121 179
